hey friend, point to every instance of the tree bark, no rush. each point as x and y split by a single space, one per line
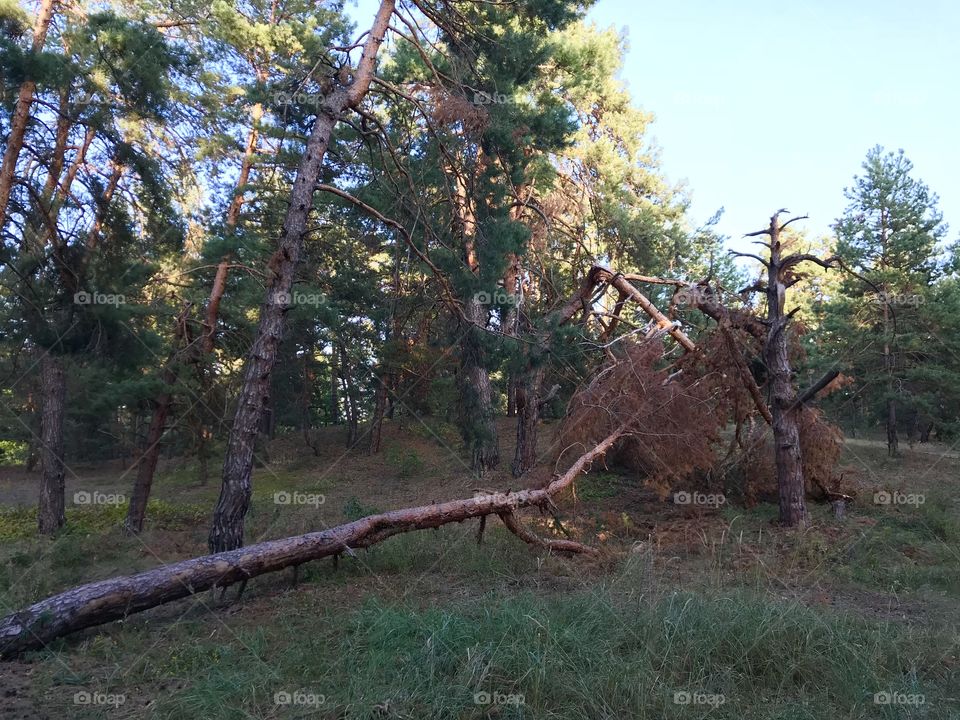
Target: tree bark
352 401
51 516
21 111
379 412
783 407
147 465
100 602
226 532
893 441
476 393
528 421
891 410
150 454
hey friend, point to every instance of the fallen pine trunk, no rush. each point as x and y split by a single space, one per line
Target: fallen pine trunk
106 600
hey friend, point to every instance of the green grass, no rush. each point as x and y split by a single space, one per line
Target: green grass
721 603
594 653
18 523
598 486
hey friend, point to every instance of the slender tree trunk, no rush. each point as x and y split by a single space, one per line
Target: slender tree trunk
51 515
476 417
147 465
150 453
530 383
379 411
226 532
350 395
528 422
21 111
334 406
386 379
893 441
891 415
476 392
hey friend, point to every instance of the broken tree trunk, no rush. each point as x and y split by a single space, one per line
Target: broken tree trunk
619 281
226 531
100 602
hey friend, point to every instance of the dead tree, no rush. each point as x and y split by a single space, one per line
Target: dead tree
784 408
226 531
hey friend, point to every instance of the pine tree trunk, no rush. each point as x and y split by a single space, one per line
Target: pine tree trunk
21 111
379 411
334 412
890 420
150 454
892 439
528 422
51 516
226 532
476 393
147 465
512 395
350 395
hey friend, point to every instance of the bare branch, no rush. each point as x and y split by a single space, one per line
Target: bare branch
794 219
752 256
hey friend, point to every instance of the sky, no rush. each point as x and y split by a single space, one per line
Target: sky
762 105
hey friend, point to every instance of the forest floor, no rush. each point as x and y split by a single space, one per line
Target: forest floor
691 611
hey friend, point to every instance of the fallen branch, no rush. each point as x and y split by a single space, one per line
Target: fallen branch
106 600
520 530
